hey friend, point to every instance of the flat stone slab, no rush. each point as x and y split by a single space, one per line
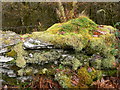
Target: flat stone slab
5 59
36 44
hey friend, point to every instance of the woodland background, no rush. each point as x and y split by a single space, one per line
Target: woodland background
26 17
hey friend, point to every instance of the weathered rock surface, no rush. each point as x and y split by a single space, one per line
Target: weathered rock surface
36 44
5 59
8 38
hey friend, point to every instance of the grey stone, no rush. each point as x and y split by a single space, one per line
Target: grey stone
5 59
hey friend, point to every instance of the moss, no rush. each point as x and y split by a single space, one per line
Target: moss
108 29
12 53
84 76
77 24
109 39
25 71
26 36
95 74
21 72
77 33
97 44
77 41
54 28
110 72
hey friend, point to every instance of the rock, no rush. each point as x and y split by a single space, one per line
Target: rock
8 38
5 59
3 50
44 56
72 61
36 44
25 78
10 73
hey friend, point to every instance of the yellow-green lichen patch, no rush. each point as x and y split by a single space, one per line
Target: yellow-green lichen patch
44 56
64 80
20 61
108 62
7 42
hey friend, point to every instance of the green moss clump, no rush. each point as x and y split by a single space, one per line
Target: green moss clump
55 28
12 53
77 33
74 33
84 76
84 59
110 72
97 44
78 24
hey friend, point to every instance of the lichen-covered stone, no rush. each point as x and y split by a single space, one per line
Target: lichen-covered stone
8 38
71 61
44 56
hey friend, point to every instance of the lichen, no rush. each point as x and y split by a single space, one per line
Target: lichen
108 62
97 64
44 56
20 61
72 61
64 80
